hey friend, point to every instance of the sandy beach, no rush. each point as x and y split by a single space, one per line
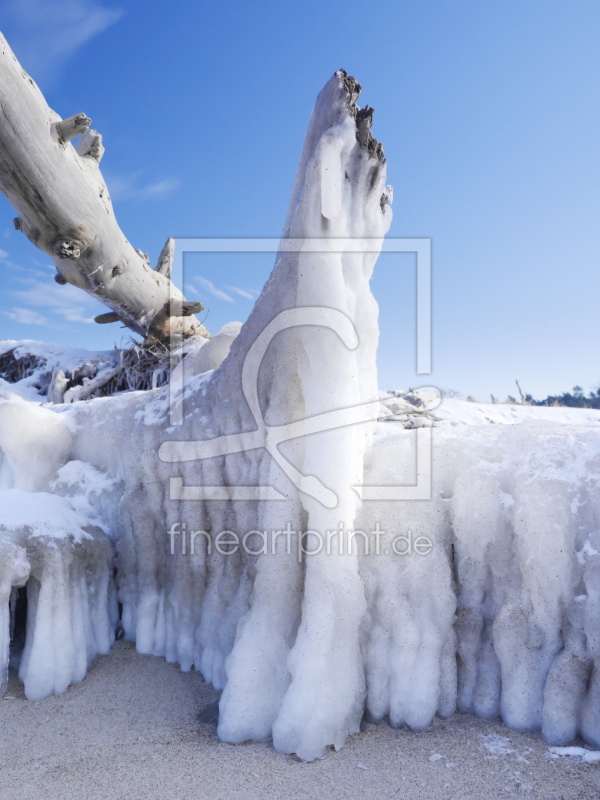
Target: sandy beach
132 730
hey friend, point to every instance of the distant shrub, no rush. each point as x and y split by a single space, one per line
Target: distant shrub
574 399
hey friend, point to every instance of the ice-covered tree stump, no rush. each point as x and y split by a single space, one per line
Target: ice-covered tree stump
64 208
501 616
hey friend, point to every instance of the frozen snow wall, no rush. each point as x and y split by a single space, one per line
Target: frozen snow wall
53 542
498 616
501 616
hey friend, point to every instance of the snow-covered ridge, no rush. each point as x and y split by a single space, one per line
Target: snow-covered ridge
450 411
463 412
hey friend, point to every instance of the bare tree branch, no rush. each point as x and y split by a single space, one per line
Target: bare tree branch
64 209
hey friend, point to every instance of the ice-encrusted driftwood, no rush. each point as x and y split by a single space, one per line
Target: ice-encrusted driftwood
64 375
64 209
309 369
499 615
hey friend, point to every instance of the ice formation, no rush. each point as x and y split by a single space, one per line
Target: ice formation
52 540
499 615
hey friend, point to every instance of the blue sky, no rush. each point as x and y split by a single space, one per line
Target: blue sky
490 117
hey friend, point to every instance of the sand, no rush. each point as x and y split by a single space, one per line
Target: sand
132 730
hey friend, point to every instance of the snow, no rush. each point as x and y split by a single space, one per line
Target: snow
42 513
461 412
586 756
51 357
497 745
501 616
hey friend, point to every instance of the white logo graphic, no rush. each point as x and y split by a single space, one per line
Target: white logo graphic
270 437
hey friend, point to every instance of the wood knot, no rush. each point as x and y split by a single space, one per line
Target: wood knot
67 248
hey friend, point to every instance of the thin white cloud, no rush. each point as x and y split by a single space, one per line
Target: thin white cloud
45 34
67 302
17 267
26 316
129 187
45 264
159 189
248 294
212 289
71 314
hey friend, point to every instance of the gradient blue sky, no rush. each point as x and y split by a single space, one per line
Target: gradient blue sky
490 117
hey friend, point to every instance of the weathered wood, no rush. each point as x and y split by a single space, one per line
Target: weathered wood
73 126
104 319
175 310
64 209
185 308
165 259
90 144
